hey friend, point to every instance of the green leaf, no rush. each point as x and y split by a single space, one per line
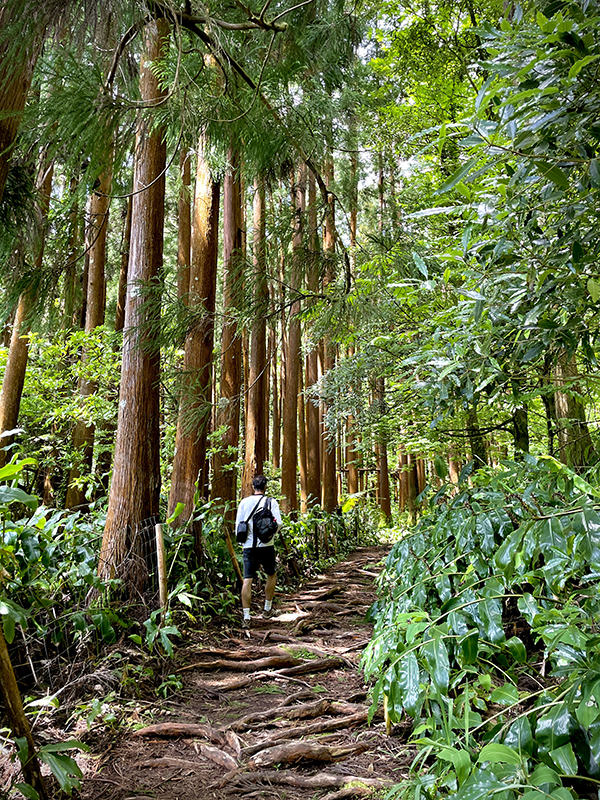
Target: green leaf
519 736
505 695
552 173
595 172
436 655
543 776
178 509
579 65
460 760
470 647
564 758
528 607
457 177
64 769
27 791
421 265
441 468
409 680
9 629
517 649
593 288
11 494
499 754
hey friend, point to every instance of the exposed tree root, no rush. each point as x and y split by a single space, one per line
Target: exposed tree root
323 726
296 752
272 662
321 780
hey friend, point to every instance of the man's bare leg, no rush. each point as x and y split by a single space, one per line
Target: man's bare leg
246 597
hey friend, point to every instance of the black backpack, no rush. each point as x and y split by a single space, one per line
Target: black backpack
264 525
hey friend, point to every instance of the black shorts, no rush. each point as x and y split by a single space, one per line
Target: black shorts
254 557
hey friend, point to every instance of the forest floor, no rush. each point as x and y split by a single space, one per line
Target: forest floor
279 711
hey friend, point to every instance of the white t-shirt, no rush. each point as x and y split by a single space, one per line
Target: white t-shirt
246 507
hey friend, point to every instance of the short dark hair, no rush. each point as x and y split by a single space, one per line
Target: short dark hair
259 483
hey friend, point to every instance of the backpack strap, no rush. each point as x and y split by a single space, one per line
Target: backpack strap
254 534
254 510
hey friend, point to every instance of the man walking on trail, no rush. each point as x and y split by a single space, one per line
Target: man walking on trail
256 552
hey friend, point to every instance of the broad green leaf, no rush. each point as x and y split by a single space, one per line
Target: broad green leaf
441 467
460 760
479 785
564 758
457 177
595 172
27 791
64 769
579 65
12 494
517 649
528 607
421 265
8 626
436 655
409 679
505 695
499 754
470 647
553 173
543 776
593 288
555 728
178 509
519 736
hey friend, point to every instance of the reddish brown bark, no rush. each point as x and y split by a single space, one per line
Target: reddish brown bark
256 419
228 415
313 433
83 433
135 483
17 64
184 225
195 405
122 289
289 461
18 352
329 492
276 415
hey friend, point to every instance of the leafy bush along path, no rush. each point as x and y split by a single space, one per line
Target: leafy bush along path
279 711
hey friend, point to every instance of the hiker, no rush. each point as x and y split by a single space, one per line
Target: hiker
257 552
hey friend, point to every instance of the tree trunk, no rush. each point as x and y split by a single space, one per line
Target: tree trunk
256 397
195 405
122 289
135 486
476 440
302 442
385 503
184 226
17 720
228 414
413 488
575 443
330 499
18 352
276 439
83 434
289 462
72 260
403 479
313 434
16 73
521 432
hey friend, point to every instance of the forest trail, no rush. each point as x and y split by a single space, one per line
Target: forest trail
279 711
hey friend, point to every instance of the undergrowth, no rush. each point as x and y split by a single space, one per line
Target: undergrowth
486 637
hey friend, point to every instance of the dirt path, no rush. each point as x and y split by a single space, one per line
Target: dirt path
275 712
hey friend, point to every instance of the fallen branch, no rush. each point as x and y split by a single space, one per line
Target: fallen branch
305 751
350 791
241 683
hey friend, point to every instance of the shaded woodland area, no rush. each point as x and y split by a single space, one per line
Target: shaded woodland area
352 246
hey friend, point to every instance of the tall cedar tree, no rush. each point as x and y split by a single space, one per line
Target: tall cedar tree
135 485
195 405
